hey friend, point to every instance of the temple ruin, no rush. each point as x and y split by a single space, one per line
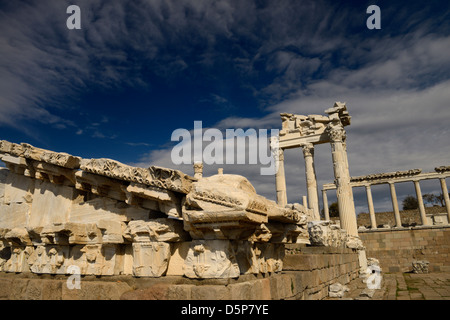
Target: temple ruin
103 218
299 131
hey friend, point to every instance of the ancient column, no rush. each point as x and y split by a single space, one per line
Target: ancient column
326 210
446 197
423 215
398 222
280 179
370 205
344 191
305 201
311 182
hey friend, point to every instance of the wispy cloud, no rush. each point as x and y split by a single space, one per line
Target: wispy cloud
138 144
293 56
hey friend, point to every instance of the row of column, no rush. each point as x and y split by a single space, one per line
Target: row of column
342 179
311 182
395 207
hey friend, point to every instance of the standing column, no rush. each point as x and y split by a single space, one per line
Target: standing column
422 212
326 210
370 205
280 180
311 182
305 201
344 191
446 197
398 221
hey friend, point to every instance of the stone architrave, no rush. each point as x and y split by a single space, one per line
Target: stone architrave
160 230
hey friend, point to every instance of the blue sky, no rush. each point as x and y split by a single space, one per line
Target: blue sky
138 70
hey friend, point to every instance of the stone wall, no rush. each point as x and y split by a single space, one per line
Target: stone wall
307 274
396 249
316 268
435 216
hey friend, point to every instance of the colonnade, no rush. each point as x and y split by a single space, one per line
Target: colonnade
392 178
305 132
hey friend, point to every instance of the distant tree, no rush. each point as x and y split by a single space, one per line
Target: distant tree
430 198
441 199
409 203
334 210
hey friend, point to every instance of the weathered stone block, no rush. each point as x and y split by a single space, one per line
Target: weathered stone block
150 259
208 292
179 252
211 259
51 204
95 290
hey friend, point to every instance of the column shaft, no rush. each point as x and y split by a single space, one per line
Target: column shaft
311 182
326 210
398 221
344 190
370 205
305 201
422 212
446 197
280 180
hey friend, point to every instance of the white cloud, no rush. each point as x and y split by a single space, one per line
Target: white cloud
396 86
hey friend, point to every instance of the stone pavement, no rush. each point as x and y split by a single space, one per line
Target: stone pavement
411 286
402 286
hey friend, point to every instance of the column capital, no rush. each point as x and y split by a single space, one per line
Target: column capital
308 149
336 132
198 169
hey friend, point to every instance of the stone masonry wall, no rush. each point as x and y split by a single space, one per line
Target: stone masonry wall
306 275
408 217
319 267
396 249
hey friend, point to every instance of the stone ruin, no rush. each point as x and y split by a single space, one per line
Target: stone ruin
420 266
60 213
